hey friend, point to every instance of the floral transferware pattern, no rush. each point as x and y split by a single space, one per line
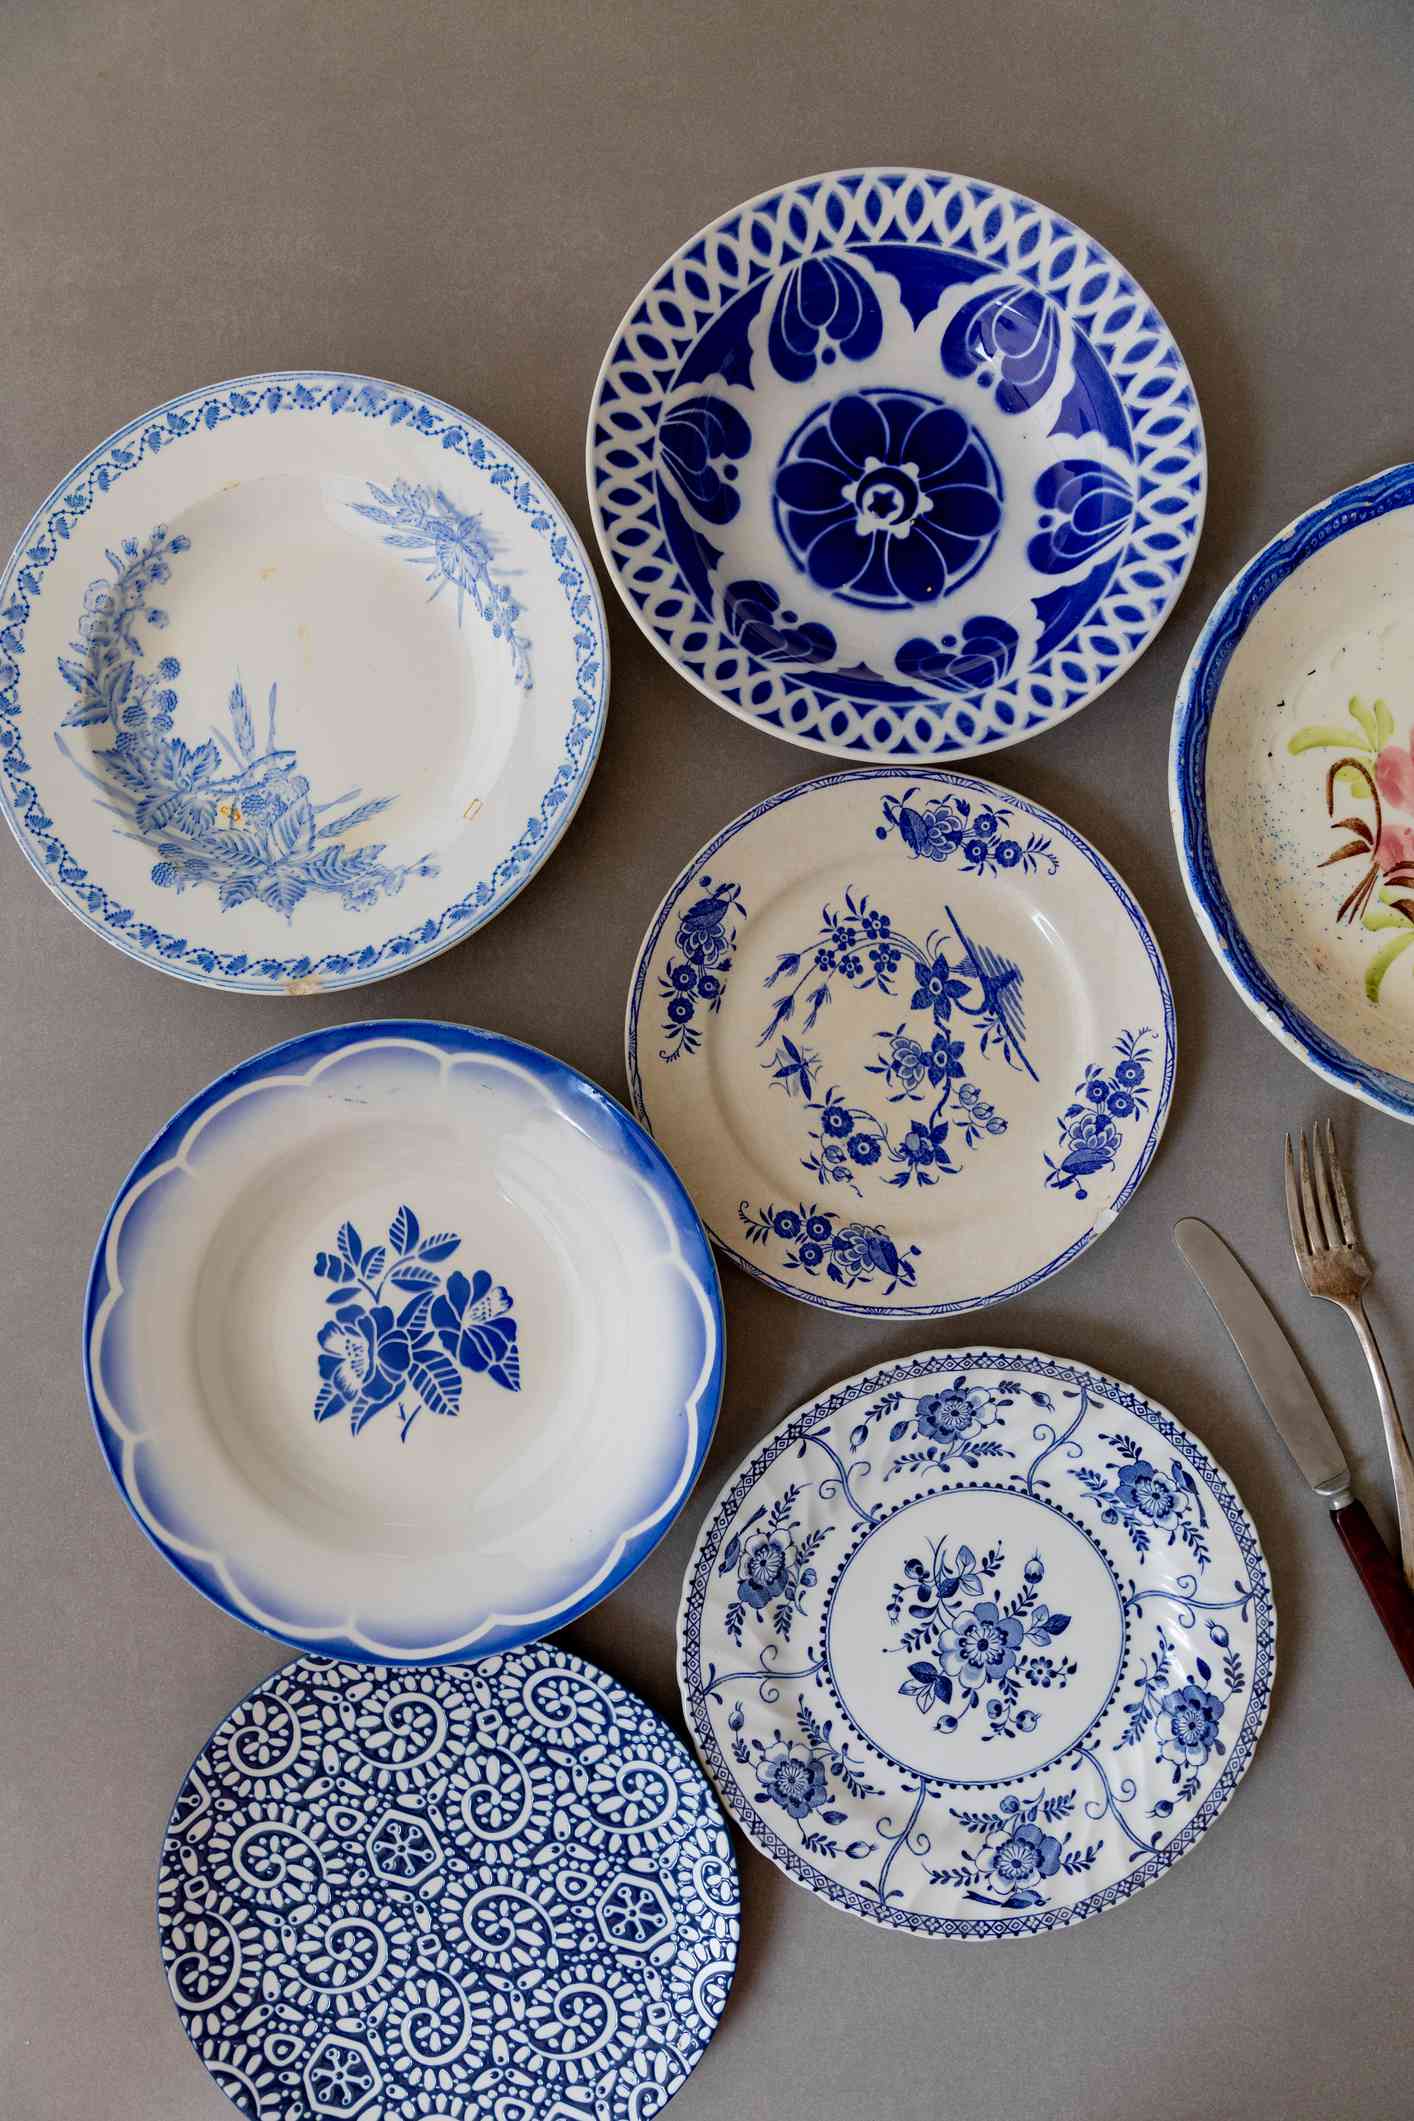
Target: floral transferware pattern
403 1335
909 333
694 977
1107 1098
232 812
959 1637
1377 775
446 1913
1087 1773
459 553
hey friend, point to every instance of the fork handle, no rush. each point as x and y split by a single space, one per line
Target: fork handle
1382 1577
1401 1459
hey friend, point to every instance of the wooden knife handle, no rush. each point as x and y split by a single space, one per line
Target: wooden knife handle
1382 1577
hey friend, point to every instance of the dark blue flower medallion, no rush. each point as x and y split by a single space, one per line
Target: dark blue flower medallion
888 497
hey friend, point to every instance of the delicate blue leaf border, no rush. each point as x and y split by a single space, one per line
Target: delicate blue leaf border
954 1362
859 208
332 395
623 1551
941 778
1198 692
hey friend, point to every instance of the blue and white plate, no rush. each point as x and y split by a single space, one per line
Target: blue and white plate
403 1342
1292 788
896 464
907 1038
496 1893
301 679
977 1644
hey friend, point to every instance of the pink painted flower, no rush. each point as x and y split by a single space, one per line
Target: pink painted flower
1394 777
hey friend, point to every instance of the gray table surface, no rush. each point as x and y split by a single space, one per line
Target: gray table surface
465 198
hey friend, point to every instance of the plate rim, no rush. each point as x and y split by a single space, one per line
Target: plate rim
688 1226
1135 912
11 717
902 171
566 1655
989 1929
1255 582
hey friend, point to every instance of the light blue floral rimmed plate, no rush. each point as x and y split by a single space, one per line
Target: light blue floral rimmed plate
907 1038
403 1342
896 464
977 1644
496 1893
1292 788
301 679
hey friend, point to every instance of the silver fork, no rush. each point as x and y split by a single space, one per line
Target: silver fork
1327 1248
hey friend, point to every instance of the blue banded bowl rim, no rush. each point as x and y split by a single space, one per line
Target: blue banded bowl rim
951 777
48 856
1198 690
688 1229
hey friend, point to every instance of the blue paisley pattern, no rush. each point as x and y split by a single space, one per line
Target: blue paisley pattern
486 1891
888 497
403 1335
1010 339
702 443
1085 507
825 308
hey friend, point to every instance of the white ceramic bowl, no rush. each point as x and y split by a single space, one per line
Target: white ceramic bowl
404 1342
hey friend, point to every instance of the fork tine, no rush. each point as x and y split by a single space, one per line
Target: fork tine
1293 1210
1315 1228
1347 1215
1321 1165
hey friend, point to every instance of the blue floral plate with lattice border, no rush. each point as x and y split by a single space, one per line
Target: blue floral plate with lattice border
496 1893
403 1342
301 680
907 1038
977 1644
896 464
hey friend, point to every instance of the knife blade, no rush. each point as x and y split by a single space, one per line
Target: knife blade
1268 1358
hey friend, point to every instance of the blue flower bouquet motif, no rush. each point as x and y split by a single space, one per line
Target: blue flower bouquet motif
888 497
960 1638
936 829
1106 1100
413 1355
1151 1505
233 812
458 552
694 977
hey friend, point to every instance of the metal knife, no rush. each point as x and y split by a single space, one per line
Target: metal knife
1300 1421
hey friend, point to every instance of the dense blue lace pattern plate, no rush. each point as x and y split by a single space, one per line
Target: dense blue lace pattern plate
497 1894
896 464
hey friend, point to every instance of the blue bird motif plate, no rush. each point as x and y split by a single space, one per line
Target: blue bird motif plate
977 1644
501 1892
896 464
403 1342
301 679
907 1038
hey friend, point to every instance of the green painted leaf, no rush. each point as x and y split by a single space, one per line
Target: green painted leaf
1365 716
1323 736
1384 725
1385 917
1383 958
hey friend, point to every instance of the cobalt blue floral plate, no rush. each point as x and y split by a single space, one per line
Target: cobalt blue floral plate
1292 788
896 464
403 1342
301 679
977 1644
907 1038
492 1893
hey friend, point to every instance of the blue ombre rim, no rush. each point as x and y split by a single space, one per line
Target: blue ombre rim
944 777
638 1148
305 391
1188 777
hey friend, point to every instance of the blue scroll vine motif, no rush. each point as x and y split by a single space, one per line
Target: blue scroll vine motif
231 812
416 1356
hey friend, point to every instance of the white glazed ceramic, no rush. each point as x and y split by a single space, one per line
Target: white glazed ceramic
403 1342
301 679
977 1644
907 1038
1292 787
501 1892
896 464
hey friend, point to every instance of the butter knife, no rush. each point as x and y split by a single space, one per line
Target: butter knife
1299 1419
